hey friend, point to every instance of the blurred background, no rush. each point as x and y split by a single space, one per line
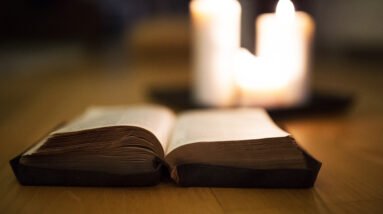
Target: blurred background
66 40
42 31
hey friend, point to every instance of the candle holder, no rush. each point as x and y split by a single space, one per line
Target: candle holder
320 103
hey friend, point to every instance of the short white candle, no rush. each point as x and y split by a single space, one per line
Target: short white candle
216 38
283 41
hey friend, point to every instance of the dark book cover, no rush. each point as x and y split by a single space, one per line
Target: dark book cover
221 176
36 176
188 175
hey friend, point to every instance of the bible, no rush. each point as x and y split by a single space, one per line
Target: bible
136 145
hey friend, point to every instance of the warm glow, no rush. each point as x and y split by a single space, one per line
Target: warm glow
285 9
255 73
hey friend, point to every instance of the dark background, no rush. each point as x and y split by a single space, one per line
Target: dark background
42 29
340 23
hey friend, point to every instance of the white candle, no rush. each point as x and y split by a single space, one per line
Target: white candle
216 38
283 42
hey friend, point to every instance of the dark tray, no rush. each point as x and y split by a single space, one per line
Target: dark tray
319 103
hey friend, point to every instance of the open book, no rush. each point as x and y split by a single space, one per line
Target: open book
129 146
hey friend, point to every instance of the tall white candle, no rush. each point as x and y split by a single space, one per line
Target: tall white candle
216 38
283 42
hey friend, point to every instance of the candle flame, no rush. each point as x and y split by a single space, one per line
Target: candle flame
285 9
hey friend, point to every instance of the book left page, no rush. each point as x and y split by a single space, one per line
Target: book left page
156 119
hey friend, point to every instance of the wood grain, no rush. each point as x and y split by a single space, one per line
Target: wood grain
350 145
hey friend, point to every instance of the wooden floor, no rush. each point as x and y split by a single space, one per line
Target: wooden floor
350 145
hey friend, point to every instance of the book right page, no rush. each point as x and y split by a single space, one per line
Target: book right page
223 125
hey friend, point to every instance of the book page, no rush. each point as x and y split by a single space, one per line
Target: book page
223 125
156 119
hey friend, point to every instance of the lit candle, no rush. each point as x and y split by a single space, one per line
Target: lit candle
216 38
283 42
